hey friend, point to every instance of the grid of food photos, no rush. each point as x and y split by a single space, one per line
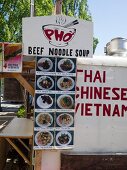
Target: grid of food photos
54 102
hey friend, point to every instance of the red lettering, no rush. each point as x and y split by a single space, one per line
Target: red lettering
86 76
123 93
84 91
124 109
91 92
88 109
59 35
77 90
82 109
97 77
97 106
106 110
78 71
97 92
116 97
67 37
116 111
104 76
49 33
106 93
76 107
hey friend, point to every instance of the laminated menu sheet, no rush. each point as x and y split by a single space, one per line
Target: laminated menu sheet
54 102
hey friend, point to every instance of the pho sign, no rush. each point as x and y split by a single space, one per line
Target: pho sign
57 35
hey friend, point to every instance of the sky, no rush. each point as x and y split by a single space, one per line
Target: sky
109 19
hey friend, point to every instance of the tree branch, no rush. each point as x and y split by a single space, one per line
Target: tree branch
58 7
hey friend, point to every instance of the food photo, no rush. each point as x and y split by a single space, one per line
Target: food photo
46 64
64 138
44 138
65 119
45 82
65 101
44 119
66 83
66 65
45 101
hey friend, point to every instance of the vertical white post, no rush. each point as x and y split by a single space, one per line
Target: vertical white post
50 160
31 8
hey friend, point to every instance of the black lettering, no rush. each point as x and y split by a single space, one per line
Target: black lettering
71 50
60 52
51 51
76 53
56 51
42 49
87 52
81 53
34 50
29 50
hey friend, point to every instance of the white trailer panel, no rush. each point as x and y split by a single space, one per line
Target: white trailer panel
101 105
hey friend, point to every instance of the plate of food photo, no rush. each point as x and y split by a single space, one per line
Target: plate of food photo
44 101
65 120
45 83
44 64
44 138
65 102
44 119
65 65
65 83
63 138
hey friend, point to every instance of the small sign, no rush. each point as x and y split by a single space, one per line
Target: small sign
12 57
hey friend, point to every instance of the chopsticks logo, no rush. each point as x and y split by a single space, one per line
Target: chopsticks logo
61 34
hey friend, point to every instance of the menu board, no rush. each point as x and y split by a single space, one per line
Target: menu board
54 102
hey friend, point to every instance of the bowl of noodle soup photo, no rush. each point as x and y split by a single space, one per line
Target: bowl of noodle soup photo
65 83
65 102
44 138
65 120
63 138
44 119
45 64
66 65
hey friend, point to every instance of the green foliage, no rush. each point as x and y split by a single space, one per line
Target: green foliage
12 12
21 112
95 42
43 7
11 18
77 8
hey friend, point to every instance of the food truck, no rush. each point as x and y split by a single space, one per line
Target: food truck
100 112
94 121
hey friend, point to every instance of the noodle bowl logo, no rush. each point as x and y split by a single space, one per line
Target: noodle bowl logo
61 34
